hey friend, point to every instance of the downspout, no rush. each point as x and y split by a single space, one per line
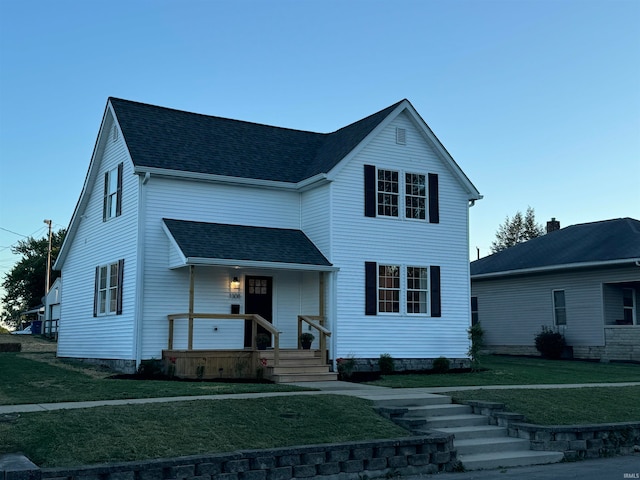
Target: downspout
139 310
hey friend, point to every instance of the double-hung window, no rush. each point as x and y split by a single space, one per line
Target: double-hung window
399 194
417 289
628 306
415 196
559 308
108 289
388 288
388 193
112 201
401 289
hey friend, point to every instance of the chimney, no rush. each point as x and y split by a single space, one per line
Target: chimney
553 225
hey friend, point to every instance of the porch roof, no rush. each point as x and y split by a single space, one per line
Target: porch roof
201 243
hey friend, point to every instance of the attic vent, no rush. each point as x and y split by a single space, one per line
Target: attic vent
401 136
114 133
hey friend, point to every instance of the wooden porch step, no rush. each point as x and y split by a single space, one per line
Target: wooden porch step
287 369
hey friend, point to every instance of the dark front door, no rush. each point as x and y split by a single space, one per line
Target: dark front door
258 298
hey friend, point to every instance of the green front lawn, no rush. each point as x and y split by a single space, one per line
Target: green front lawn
136 432
501 370
27 380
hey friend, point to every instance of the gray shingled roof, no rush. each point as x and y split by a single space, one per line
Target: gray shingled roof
163 138
239 242
598 242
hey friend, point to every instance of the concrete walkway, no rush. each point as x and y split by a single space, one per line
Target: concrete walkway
369 392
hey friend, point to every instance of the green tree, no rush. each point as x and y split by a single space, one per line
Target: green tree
516 230
24 283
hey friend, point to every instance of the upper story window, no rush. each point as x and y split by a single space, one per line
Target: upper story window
415 196
384 188
388 193
112 202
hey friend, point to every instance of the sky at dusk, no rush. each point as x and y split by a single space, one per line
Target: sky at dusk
537 101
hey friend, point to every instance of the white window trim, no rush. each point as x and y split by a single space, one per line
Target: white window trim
553 304
112 195
107 290
403 311
406 291
634 311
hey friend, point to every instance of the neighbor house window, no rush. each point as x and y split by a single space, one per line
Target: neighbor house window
628 306
559 308
474 310
417 289
388 193
108 289
112 202
415 196
388 288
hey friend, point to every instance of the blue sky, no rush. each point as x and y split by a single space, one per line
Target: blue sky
538 101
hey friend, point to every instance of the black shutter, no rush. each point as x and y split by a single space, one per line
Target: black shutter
436 308
95 293
371 288
119 194
369 191
119 291
434 207
105 200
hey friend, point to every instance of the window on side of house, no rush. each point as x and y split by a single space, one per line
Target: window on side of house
628 306
388 288
417 289
388 193
474 310
415 196
559 308
108 289
112 203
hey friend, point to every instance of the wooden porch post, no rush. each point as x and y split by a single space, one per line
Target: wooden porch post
191 292
322 297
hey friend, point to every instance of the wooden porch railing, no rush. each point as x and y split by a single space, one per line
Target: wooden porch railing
255 321
317 323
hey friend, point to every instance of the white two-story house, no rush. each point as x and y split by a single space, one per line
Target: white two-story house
195 232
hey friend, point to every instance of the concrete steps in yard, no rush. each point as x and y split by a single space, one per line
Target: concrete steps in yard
478 444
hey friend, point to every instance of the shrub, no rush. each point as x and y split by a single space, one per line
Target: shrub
441 365
346 367
476 335
550 343
385 362
10 347
150 368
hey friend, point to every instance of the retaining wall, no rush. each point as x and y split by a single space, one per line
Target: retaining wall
342 461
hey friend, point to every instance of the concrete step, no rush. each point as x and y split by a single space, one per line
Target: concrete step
490 445
449 421
284 369
481 431
305 377
480 461
440 410
402 400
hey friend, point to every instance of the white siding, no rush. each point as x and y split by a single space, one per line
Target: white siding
167 291
356 239
513 310
98 243
316 217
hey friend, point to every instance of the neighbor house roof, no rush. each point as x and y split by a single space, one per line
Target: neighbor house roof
588 244
223 244
164 138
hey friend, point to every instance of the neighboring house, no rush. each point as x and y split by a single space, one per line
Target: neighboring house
583 280
197 221
52 308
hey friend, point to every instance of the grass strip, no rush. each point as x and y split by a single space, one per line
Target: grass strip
26 380
502 370
564 406
136 432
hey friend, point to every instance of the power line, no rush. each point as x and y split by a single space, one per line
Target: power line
11 231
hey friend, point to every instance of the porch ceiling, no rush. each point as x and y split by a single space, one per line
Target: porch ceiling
200 243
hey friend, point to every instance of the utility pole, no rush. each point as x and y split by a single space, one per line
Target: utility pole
48 272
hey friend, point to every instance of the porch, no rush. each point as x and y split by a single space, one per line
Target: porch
273 363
